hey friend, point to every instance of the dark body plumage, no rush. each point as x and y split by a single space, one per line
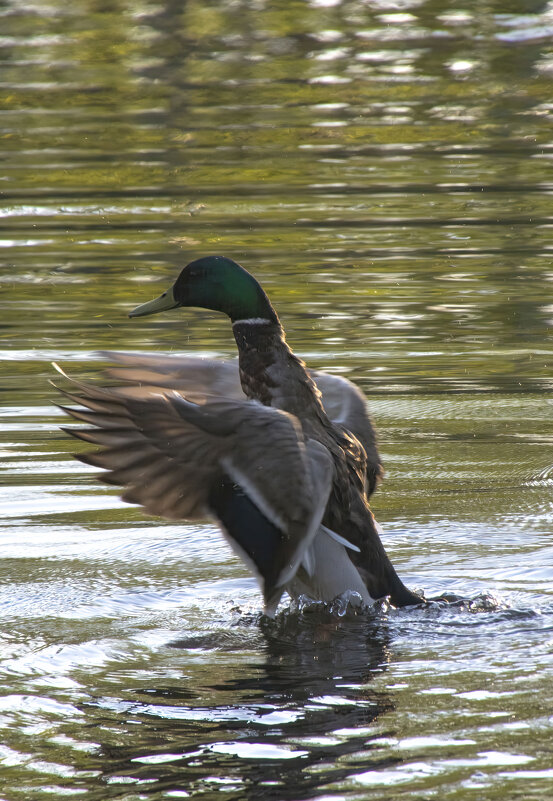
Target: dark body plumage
271 373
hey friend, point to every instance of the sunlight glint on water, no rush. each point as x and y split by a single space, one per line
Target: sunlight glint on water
383 169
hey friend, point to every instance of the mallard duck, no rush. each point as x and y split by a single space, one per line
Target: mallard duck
287 485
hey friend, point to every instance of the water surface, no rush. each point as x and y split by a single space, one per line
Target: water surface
384 169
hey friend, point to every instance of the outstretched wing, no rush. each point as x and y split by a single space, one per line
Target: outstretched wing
346 406
187 374
244 464
344 402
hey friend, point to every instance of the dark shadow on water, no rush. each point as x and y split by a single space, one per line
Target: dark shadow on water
282 710
280 727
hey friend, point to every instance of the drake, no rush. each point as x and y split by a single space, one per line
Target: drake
287 484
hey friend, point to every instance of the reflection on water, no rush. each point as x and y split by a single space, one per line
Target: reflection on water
383 168
277 724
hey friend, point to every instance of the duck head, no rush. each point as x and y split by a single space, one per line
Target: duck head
217 283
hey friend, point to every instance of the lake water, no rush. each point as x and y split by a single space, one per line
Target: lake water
384 168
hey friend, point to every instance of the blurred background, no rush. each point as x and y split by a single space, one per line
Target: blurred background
384 168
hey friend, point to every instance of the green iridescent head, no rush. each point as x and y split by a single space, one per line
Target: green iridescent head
217 283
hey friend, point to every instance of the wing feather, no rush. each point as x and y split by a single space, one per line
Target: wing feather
171 455
344 402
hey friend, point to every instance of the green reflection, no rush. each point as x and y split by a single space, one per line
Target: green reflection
383 169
